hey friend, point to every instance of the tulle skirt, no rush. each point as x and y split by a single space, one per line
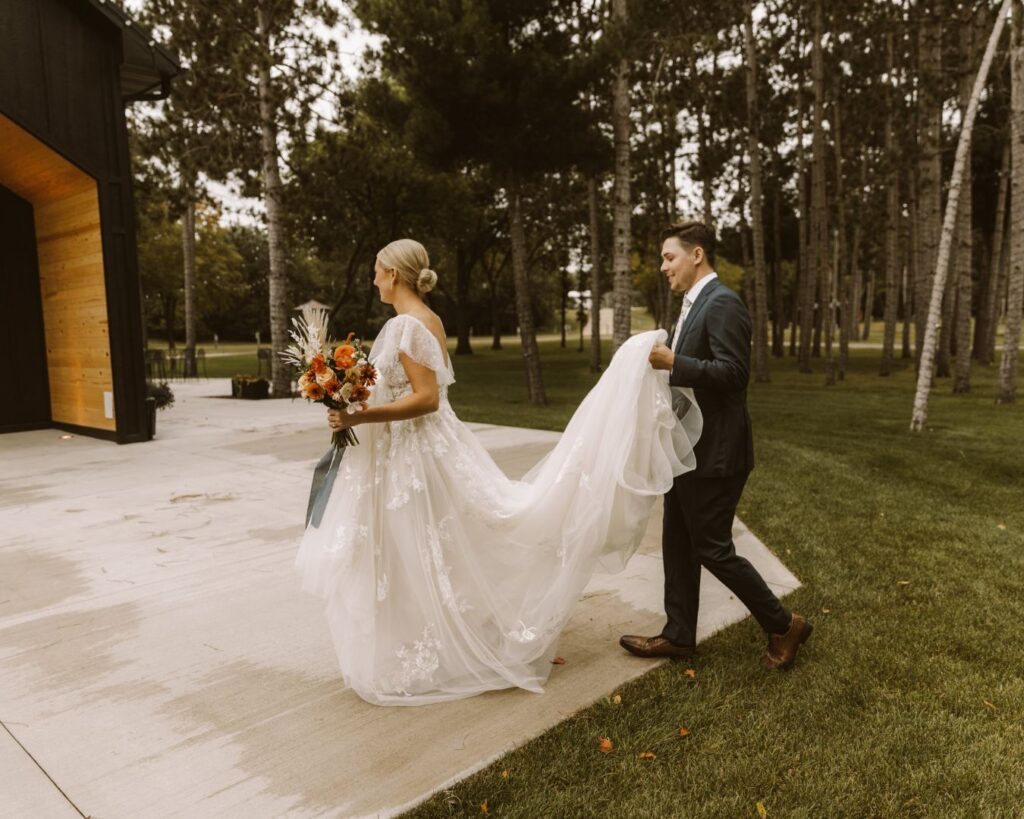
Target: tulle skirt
443 578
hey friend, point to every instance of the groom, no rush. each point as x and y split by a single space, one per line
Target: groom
710 352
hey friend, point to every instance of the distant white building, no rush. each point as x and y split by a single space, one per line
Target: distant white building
312 304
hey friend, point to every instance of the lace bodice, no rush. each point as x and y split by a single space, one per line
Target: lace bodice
407 334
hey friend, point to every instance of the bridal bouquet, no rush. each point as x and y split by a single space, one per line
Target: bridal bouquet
339 376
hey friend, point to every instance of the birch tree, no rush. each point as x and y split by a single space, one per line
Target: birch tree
925 370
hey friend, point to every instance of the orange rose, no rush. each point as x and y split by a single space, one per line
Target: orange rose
326 377
344 356
313 391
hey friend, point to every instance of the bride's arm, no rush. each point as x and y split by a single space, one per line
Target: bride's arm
423 400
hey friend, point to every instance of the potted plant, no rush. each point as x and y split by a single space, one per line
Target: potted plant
158 396
250 386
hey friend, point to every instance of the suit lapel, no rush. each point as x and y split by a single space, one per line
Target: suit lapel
695 311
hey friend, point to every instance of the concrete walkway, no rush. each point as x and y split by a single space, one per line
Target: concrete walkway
157 658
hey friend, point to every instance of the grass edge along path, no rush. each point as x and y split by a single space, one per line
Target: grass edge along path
909 698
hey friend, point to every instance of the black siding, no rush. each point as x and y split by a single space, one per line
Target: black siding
60 81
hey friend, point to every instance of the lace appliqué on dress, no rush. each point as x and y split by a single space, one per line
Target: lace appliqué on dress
436 535
419 662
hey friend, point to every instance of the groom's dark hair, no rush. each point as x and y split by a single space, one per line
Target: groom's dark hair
692 234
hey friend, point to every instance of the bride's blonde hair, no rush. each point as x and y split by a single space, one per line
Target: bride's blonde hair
409 258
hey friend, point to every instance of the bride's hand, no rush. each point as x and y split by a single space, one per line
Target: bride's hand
337 419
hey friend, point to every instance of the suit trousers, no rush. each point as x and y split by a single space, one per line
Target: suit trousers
696 532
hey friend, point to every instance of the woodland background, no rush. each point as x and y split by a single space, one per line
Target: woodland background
541 146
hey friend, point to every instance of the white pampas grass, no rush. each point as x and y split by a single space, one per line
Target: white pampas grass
310 336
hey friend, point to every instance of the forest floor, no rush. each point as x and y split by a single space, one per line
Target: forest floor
907 701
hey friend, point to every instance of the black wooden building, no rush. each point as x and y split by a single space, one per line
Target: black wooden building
70 304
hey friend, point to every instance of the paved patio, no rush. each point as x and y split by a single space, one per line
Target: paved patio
157 658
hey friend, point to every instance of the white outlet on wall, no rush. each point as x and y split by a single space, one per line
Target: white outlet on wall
108 404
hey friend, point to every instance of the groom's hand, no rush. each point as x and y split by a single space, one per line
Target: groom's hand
661 357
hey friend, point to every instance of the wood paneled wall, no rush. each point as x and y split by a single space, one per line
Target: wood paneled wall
71 274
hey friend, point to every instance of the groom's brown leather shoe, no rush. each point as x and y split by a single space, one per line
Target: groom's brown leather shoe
783 648
654 647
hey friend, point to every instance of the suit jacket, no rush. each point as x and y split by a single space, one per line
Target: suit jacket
712 356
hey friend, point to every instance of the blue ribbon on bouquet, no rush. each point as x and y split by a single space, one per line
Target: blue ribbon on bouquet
323 481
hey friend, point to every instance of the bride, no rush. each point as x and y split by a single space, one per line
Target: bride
442 577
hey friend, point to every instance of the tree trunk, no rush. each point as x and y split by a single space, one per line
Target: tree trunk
929 194
985 346
818 249
778 299
963 150
869 305
829 311
188 248
906 351
622 286
277 278
756 204
856 289
703 158
463 270
706 180
524 312
668 217
595 277
913 260
892 222
944 350
837 275
963 253
564 304
1015 288
799 297
495 319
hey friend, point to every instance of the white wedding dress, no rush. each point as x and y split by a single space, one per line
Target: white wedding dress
442 577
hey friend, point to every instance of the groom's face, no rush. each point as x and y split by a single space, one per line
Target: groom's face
679 264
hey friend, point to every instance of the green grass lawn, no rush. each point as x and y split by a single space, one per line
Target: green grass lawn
909 698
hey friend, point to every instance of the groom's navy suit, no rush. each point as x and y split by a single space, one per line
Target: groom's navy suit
712 356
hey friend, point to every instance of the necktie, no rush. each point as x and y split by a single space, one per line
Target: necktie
679 324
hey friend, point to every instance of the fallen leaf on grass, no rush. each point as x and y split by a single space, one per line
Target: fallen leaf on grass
826 611
1001 526
684 732
762 811
483 807
617 699
691 673
558 661
902 582
989 705
504 774
605 745
647 755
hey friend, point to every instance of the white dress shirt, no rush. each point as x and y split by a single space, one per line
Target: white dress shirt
688 300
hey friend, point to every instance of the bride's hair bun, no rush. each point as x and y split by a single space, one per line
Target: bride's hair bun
409 259
427 280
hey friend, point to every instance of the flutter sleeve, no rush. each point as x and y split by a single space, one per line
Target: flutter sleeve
422 346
